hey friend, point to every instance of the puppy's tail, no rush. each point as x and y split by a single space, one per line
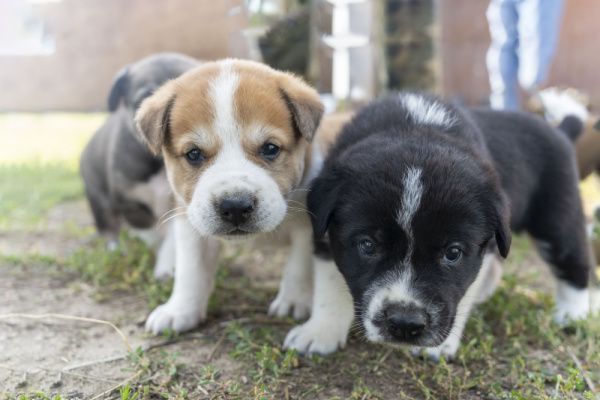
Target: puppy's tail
565 109
572 126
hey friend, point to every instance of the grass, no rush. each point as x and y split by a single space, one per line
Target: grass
128 268
39 154
511 349
29 191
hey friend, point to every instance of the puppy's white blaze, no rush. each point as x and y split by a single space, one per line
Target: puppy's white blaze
425 111
411 200
571 303
222 92
396 287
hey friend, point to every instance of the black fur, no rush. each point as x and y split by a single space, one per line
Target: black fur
488 173
572 126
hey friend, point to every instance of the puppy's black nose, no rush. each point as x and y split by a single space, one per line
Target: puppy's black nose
405 323
236 210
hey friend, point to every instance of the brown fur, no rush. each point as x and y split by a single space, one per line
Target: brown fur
588 148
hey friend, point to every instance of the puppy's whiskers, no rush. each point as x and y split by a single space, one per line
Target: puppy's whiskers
171 211
172 217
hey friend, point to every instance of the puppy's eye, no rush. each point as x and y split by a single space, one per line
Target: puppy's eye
194 156
366 247
452 254
269 151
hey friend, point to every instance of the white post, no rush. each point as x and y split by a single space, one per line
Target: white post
341 41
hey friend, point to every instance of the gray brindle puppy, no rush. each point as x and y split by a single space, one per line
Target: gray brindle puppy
124 181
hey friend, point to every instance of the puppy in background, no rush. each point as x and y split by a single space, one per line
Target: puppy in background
567 110
416 202
125 182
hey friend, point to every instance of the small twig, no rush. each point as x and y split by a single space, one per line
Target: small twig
117 386
95 362
144 349
385 356
204 391
584 373
179 339
217 346
254 320
87 377
70 318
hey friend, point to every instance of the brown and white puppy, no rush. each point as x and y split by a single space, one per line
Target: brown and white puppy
236 137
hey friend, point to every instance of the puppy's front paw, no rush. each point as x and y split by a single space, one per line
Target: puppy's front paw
174 317
316 337
447 349
572 304
565 315
297 304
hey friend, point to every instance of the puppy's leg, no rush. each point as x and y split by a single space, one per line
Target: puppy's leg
105 217
479 289
165 256
492 278
196 261
332 314
558 226
296 288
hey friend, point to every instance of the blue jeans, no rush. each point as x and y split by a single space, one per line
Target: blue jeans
524 35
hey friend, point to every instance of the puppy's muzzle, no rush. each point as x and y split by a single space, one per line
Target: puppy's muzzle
404 323
236 210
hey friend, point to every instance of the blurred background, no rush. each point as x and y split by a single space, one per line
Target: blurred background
61 55
58 59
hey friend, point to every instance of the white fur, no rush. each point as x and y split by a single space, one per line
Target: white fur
195 266
492 278
165 256
296 287
427 112
396 287
332 314
231 172
571 303
411 200
560 104
449 347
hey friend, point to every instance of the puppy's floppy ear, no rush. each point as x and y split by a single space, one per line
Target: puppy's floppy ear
304 104
118 88
502 234
322 198
153 118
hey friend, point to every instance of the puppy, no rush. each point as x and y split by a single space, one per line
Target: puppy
124 181
417 195
236 138
565 110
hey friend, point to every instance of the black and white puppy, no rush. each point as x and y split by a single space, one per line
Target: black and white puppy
124 181
417 195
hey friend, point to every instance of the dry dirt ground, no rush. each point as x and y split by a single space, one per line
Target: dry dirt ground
236 354
51 263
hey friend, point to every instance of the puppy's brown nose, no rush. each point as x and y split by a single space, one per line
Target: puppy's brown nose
405 323
236 210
